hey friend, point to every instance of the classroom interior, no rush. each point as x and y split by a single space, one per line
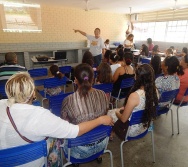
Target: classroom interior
56 21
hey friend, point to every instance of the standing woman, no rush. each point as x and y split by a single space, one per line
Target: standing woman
143 96
128 43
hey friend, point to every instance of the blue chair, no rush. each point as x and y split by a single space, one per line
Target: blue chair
23 154
55 103
145 61
107 88
36 103
51 83
181 104
2 91
39 72
99 133
67 70
137 118
125 83
167 98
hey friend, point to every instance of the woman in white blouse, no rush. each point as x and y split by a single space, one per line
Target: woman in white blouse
128 43
33 122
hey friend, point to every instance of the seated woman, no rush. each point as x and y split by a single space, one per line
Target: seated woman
156 64
107 55
35 123
169 52
128 43
114 62
155 50
143 96
85 104
123 72
120 53
54 69
171 68
184 52
88 58
144 52
107 44
104 73
183 80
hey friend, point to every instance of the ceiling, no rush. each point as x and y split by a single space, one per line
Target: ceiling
117 6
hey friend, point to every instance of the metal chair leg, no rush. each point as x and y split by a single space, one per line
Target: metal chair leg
153 145
121 151
178 126
111 157
172 122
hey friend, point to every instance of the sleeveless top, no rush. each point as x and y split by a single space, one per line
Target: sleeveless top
137 129
117 84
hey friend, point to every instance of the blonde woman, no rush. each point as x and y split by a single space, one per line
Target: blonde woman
32 122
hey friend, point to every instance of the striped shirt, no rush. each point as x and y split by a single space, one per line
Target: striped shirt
8 70
76 109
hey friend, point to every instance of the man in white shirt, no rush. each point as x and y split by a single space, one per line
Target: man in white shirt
97 47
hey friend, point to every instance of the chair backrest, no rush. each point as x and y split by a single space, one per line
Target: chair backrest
2 91
23 154
186 92
54 82
168 95
106 87
92 136
39 72
145 61
55 103
127 83
65 69
136 118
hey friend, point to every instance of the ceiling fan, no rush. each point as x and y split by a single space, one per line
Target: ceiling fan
87 8
176 7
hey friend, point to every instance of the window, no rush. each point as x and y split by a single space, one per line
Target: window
170 31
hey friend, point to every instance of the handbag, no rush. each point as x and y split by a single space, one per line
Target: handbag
121 128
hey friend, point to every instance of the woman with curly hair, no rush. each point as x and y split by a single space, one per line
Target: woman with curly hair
104 73
143 96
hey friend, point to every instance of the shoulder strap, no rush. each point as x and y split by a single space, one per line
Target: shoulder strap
14 125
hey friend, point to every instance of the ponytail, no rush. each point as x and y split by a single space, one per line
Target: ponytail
180 70
85 86
58 74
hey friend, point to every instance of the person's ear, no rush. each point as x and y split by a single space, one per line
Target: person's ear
75 80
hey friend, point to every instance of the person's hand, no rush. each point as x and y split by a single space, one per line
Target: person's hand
106 120
75 30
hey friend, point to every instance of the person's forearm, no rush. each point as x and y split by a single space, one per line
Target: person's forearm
85 127
81 32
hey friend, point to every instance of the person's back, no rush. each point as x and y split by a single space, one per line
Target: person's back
10 67
77 107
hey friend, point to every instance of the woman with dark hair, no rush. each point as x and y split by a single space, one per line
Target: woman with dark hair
88 58
156 64
150 44
104 73
85 104
183 80
114 62
120 53
155 50
123 72
54 69
184 52
107 56
143 96
171 68
144 51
